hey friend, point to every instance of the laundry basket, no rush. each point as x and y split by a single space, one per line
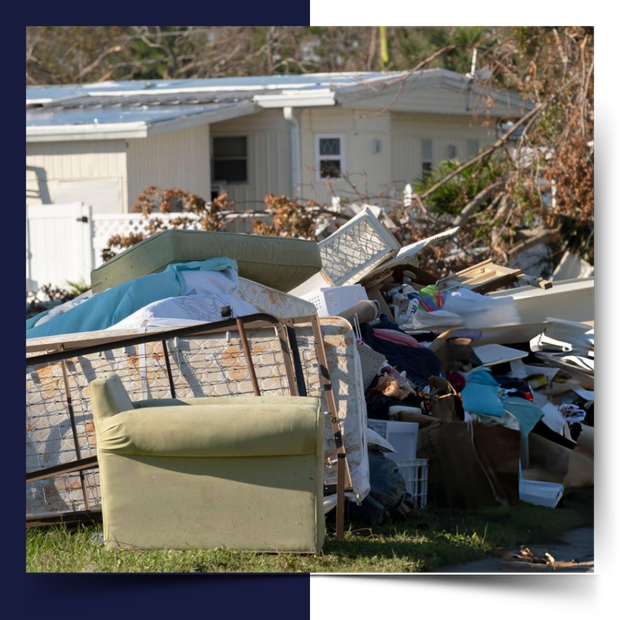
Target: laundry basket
356 248
415 474
332 301
402 435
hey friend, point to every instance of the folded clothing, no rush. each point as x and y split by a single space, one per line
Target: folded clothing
481 393
431 299
419 363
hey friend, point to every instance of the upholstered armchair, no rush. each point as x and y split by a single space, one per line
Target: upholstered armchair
238 472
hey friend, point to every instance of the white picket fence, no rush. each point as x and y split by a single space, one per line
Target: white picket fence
64 242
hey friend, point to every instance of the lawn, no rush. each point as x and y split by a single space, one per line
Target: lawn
424 543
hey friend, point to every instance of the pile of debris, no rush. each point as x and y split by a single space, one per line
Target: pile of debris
447 390
486 423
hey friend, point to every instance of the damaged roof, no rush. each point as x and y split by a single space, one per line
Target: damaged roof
134 109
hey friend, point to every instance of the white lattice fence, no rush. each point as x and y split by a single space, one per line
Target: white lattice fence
106 226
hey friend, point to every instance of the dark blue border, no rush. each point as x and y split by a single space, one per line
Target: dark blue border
277 597
239 13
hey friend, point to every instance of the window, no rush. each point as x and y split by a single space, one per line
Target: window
230 159
473 146
427 157
329 150
452 151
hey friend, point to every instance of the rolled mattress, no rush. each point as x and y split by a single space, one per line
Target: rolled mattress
279 262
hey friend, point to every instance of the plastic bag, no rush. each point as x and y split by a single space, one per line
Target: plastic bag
387 485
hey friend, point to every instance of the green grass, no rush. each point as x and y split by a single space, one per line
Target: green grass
424 543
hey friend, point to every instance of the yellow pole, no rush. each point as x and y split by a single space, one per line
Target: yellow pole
385 56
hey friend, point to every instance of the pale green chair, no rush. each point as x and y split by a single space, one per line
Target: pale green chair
237 472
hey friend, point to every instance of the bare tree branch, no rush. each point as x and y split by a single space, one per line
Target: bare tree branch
483 154
540 237
483 195
93 65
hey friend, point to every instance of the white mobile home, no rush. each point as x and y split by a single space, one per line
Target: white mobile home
103 144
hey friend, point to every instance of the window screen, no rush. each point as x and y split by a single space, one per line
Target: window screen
473 146
427 157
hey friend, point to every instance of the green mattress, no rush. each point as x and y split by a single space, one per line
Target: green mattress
279 262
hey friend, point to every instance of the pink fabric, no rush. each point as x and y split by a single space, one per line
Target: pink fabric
397 337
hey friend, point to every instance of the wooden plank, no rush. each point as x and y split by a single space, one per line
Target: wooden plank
486 277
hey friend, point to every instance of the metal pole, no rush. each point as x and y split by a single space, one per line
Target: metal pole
340 498
286 344
168 369
89 462
299 371
78 453
248 355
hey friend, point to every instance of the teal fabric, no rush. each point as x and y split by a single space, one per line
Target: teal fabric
481 393
526 412
111 306
33 320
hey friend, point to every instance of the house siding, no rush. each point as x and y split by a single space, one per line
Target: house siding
444 100
182 159
408 131
400 159
269 157
369 172
50 164
175 160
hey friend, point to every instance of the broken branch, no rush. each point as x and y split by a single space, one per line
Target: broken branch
473 204
545 236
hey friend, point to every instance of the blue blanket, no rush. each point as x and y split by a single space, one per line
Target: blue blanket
107 308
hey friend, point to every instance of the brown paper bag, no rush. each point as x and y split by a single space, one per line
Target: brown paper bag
428 434
447 405
499 451
463 483
456 478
